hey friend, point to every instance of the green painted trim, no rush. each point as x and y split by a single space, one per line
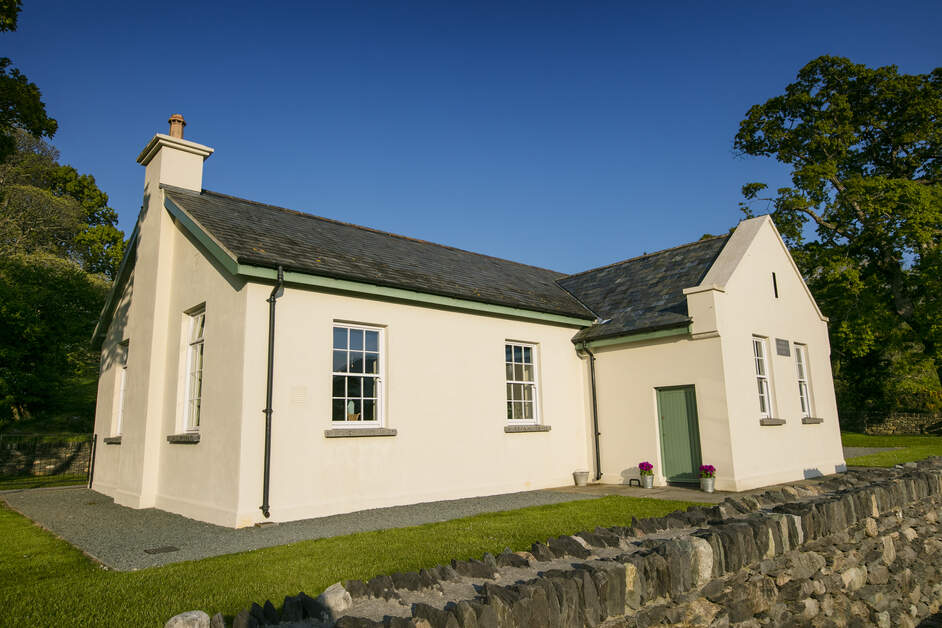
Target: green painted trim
649 335
260 272
218 253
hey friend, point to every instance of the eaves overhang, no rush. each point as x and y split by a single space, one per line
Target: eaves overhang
117 286
641 335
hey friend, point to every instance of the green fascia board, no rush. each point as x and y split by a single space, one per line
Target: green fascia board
329 283
261 272
629 338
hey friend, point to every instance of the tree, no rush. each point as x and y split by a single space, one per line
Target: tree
863 217
21 105
48 308
45 206
9 11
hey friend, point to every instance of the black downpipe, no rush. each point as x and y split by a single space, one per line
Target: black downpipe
91 462
268 388
595 412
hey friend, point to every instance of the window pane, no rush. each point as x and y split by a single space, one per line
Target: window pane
518 354
196 331
372 363
372 341
510 371
356 339
369 410
197 357
353 410
195 416
528 372
369 386
339 386
337 413
528 410
340 337
340 361
510 410
353 386
510 392
518 410
527 392
508 353
518 372
527 355
356 361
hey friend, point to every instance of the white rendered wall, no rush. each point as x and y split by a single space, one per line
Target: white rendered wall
445 395
628 376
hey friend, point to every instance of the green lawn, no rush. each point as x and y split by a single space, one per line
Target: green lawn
46 581
913 448
41 481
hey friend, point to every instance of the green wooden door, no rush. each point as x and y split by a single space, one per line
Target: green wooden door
680 433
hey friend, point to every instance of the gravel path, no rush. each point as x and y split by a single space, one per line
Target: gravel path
853 452
117 536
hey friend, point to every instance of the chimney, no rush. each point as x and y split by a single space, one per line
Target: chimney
172 160
176 125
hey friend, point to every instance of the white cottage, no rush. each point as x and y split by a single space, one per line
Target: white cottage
258 362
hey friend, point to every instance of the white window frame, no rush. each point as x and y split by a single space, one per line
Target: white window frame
379 377
191 419
511 381
804 386
760 353
123 348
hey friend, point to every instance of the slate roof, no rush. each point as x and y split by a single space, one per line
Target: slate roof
643 293
265 235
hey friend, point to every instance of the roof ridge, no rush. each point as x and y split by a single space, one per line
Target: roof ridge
559 274
639 257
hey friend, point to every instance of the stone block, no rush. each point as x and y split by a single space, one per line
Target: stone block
335 600
189 619
436 617
568 546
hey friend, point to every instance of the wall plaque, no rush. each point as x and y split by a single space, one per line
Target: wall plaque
783 347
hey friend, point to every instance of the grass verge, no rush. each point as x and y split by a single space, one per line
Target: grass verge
912 448
46 581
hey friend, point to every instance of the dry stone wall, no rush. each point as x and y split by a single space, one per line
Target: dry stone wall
863 548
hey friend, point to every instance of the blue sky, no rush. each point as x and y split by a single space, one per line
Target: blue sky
564 135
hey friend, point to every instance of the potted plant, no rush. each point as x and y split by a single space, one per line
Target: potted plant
707 477
647 474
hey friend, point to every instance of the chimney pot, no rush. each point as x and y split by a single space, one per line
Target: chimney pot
176 125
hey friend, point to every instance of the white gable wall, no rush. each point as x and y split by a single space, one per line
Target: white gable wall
769 454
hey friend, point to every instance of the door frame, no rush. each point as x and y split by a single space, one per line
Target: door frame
657 419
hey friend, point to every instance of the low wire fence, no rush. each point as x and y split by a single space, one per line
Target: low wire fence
36 460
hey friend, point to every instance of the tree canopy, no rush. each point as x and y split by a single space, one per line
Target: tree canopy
21 105
48 207
863 217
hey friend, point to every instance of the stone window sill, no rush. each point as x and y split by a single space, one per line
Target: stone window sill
187 438
516 429
771 421
111 440
358 432
811 420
